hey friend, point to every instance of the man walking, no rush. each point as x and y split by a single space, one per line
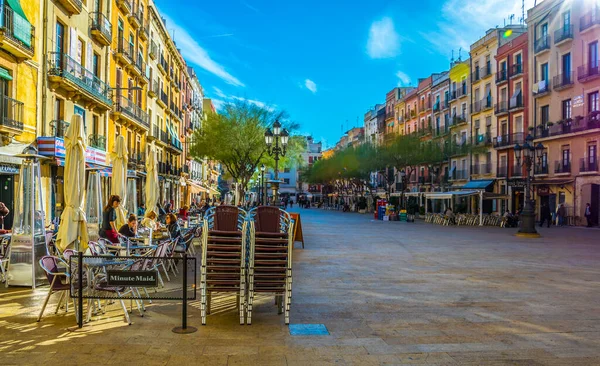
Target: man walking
560 214
545 215
588 215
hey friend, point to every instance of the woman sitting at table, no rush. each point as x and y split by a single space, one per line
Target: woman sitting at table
174 230
183 213
130 228
150 221
109 218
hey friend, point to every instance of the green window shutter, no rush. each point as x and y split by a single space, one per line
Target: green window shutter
4 74
21 26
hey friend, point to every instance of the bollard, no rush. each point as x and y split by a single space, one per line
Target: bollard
80 285
184 329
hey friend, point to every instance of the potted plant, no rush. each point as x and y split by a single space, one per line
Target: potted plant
531 128
560 122
550 124
540 126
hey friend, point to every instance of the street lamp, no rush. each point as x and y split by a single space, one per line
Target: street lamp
277 141
402 180
262 182
525 156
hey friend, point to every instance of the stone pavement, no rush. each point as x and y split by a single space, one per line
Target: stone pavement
388 292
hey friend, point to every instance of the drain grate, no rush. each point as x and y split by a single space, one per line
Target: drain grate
308 329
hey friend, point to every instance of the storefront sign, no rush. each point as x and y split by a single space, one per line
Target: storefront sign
9 169
577 101
55 147
516 183
132 278
543 191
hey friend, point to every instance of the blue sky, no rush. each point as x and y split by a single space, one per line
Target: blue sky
326 62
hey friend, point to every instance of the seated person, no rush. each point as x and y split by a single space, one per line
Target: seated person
130 228
150 221
174 230
183 213
450 214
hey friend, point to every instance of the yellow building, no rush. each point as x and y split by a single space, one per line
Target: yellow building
19 76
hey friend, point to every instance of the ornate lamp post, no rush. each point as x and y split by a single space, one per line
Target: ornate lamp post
263 184
403 180
525 156
277 141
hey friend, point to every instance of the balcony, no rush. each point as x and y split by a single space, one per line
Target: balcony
483 168
542 44
436 107
162 65
441 131
135 17
97 141
144 31
588 165
59 128
501 77
11 116
154 88
18 40
564 81
588 72
475 76
139 66
563 35
124 51
462 91
540 169
483 139
577 125
562 167
502 171
517 171
516 103
482 105
163 101
64 72
100 28
541 88
164 137
153 50
590 20
458 120
128 111
516 70
486 72
452 95
460 175
509 140
125 6
458 149
501 108
71 6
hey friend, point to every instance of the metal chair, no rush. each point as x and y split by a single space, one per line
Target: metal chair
58 282
4 259
270 258
223 256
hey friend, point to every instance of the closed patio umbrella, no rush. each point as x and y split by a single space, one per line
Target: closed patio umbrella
151 180
119 157
73 224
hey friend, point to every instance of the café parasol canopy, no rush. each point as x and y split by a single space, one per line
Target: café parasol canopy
119 157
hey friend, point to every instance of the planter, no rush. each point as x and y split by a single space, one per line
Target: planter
550 124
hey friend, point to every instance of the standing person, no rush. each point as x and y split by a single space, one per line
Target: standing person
291 203
545 215
588 215
560 215
4 211
109 218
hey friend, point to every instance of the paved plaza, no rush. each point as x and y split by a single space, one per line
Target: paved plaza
388 292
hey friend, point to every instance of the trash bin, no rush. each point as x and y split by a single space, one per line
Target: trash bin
381 212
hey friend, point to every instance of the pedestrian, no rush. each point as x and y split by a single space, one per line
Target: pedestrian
545 215
291 203
560 214
109 217
4 211
183 213
588 215
141 210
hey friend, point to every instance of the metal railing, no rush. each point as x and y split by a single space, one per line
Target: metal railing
100 23
517 171
542 44
589 122
164 97
540 169
125 48
501 76
543 88
164 137
11 113
564 33
563 80
460 174
97 141
59 127
589 19
462 91
483 168
588 71
65 66
589 164
153 49
516 102
561 167
501 107
24 37
132 110
502 171
509 139
516 69
483 139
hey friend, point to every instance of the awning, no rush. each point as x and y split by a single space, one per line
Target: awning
196 188
103 170
4 74
495 196
8 152
478 184
556 182
449 194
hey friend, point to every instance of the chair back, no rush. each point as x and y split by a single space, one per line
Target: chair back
267 219
5 248
227 218
68 253
50 265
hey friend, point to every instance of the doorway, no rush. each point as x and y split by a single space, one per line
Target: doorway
7 194
595 202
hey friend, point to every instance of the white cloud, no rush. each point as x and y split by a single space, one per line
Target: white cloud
195 54
383 40
310 85
219 93
257 103
465 21
403 79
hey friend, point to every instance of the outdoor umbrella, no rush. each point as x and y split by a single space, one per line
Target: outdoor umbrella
151 180
73 224
118 187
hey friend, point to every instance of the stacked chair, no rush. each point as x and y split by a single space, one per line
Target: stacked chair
223 256
247 253
270 258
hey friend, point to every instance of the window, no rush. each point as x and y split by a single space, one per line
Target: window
518 124
544 72
566 109
593 56
545 114
464 110
566 66
95 124
80 47
565 156
504 128
544 159
591 155
286 180
566 17
60 38
544 30
593 102
96 65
